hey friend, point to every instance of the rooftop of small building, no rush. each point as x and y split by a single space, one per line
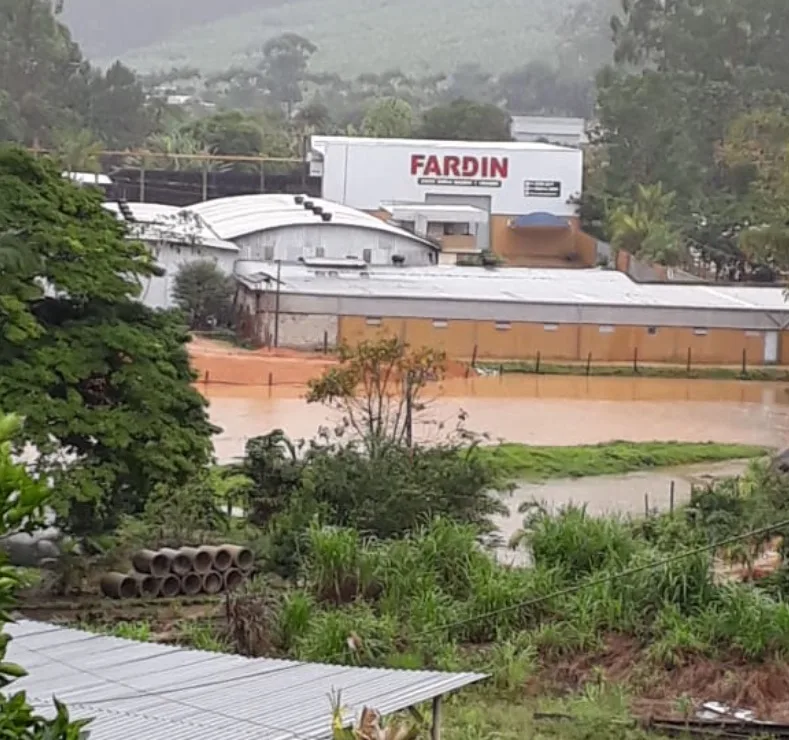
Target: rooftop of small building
219 221
148 691
580 287
513 146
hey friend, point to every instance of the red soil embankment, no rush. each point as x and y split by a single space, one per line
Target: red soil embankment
216 362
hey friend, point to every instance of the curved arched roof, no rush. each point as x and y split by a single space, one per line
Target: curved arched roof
239 215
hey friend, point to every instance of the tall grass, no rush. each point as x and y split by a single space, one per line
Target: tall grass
437 596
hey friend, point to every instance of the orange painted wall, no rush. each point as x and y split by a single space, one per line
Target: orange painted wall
568 342
542 247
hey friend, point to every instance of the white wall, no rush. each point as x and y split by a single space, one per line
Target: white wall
337 241
364 175
157 291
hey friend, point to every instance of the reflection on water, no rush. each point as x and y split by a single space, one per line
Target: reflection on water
539 410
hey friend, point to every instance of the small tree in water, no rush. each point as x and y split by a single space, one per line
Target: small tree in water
378 386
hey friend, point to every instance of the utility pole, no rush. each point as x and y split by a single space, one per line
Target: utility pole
276 305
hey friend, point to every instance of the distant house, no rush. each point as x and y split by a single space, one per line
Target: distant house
549 129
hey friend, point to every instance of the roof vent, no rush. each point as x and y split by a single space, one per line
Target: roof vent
298 200
309 205
326 217
126 212
317 210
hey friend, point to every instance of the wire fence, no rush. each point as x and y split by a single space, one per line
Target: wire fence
691 367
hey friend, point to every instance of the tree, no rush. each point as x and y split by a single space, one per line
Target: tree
47 86
117 109
78 151
755 155
378 386
538 88
103 381
228 133
39 60
685 70
464 120
22 501
205 294
644 228
389 118
284 67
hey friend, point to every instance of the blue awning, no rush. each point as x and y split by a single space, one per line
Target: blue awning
539 220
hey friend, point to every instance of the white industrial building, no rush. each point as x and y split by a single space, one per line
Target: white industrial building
175 238
290 228
518 199
269 228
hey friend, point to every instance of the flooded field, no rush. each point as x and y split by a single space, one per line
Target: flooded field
629 494
547 410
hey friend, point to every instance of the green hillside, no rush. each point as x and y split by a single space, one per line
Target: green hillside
356 36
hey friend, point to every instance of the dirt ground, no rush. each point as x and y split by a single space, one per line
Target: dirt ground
221 363
763 688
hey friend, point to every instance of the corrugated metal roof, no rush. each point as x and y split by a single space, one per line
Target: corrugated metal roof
240 215
516 285
320 142
155 222
145 691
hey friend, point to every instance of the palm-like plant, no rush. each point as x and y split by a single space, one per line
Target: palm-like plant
644 227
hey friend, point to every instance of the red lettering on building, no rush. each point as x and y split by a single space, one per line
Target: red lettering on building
468 167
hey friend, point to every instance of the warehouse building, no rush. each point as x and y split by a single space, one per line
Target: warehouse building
175 238
264 227
526 191
514 313
291 228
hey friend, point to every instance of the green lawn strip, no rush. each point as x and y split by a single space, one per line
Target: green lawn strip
643 371
612 458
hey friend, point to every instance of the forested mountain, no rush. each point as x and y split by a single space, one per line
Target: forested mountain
353 36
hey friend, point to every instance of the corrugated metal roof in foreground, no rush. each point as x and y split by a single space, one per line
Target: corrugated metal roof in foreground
145 691
516 285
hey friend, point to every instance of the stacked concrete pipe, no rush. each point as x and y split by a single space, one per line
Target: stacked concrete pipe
187 571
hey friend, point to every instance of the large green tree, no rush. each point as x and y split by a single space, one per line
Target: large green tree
466 120
684 71
46 86
103 381
388 118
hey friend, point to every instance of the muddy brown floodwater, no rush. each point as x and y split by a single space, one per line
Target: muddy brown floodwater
543 410
551 410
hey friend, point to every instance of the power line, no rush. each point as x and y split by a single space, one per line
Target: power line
477 617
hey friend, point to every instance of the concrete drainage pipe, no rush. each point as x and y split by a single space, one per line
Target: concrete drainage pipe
200 560
148 561
233 579
191 583
179 563
169 586
221 557
243 558
118 586
212 583
147 586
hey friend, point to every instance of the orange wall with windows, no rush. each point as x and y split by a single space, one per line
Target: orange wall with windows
566 342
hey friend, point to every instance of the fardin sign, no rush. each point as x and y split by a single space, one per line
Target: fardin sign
468 170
